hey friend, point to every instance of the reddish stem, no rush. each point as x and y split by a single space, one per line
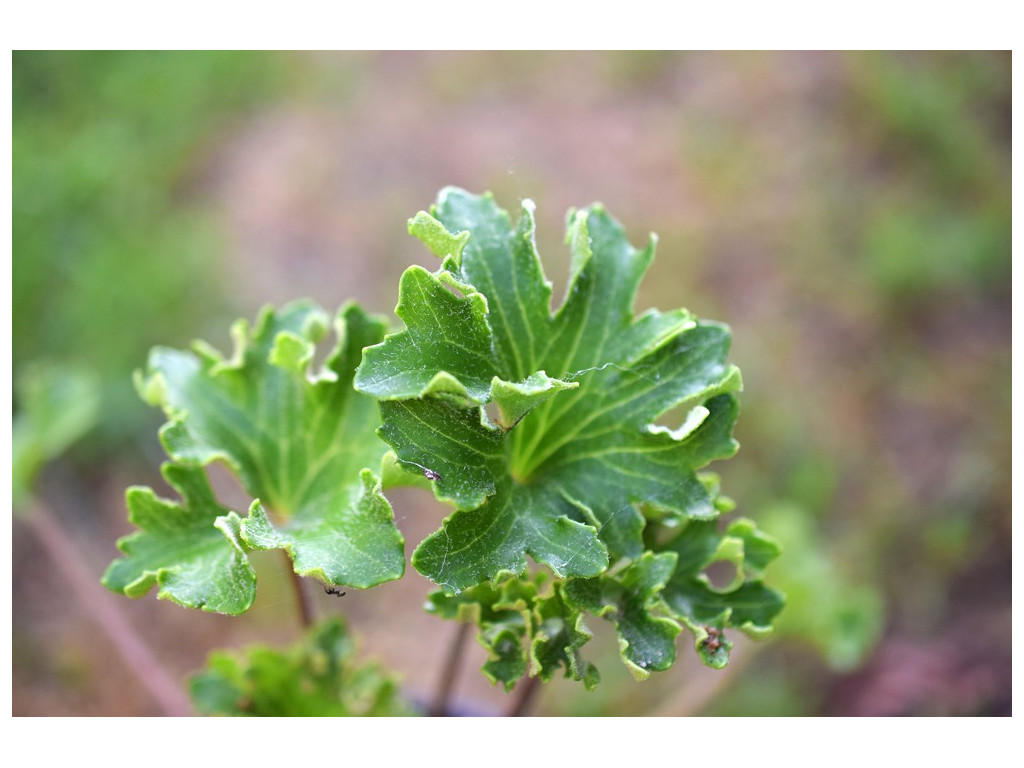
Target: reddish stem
439 708
101 606
526 693
301 598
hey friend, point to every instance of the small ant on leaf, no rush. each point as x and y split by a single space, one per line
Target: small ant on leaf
427 473
714 639
334 591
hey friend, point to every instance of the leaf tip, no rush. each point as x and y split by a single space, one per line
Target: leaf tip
151 383
433 234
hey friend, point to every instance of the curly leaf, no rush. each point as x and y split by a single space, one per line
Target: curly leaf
540 427
314 678
300 442
503 615
192 551
522 629
558 634
629 599
745 603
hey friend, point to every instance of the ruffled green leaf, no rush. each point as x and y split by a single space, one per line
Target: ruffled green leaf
558 634
541 427
524 627
191 551
300 439
744 603
316 677
503 615
630 600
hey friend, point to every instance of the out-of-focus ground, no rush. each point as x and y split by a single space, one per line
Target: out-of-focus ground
847 214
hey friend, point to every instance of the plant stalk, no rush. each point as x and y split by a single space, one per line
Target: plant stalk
301 598
525 696
439 708
100 605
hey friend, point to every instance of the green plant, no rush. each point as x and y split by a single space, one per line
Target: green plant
575 437
314 678
58 404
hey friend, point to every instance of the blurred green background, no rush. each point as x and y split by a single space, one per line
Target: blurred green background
847 214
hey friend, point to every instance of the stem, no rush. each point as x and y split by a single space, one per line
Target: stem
528 688
301 599
104 611
451 668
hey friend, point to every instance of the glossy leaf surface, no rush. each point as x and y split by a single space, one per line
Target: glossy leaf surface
568 450
629 599
300 441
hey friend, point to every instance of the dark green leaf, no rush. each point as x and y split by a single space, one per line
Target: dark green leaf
629 599
558 634
572 451
745 603
503 616
524 627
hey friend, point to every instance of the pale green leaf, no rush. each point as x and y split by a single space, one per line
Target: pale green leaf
300 439
317 677
56 405
191 551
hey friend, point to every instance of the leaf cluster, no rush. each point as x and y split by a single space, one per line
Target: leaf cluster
544 429
315 678
299 440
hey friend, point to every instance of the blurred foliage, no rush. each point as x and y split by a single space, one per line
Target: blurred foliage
316 677
111 248
860 247
779 685
58 406
936 246
830 606
944 220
